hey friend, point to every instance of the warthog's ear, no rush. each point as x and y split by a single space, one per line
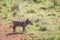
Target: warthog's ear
28 19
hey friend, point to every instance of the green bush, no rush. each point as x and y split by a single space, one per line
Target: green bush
43 29
37 38
39 1
57 37
59 28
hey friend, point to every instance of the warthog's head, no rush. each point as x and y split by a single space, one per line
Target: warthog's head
29 22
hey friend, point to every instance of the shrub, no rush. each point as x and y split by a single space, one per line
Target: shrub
38 38
57 37
38 1
51 38
43 28
59 28
31 11
37 25
4 4
4 16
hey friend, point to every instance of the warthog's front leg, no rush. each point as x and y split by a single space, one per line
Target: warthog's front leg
14 29
24 30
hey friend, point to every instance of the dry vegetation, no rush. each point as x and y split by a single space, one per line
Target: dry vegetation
45 15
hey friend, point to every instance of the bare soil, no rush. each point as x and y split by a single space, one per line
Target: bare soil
4 34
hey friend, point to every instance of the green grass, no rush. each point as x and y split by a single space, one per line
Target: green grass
34 11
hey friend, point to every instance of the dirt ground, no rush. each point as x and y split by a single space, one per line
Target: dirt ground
4 34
